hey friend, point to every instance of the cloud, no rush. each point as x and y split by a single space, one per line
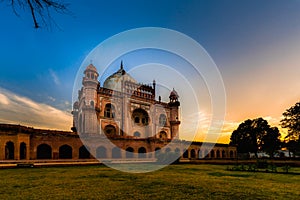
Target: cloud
3 99
17 109
51 98
54 77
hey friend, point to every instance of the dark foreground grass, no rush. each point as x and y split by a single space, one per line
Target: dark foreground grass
172 182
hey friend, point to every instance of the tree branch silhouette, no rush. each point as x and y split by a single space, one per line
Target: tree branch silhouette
39 9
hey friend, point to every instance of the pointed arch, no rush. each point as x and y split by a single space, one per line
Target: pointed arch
157 151
231 154
84 152
185 154
23 151
129 152
223 154
212 153
65 152
44 151
101 152
10 151
142 152
218 153
116 152
193 153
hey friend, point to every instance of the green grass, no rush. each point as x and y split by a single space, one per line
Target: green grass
172 182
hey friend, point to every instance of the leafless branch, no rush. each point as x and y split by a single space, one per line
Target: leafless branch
40 10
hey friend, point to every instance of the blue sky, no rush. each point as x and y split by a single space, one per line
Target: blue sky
255 44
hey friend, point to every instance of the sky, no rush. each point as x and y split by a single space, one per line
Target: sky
255 45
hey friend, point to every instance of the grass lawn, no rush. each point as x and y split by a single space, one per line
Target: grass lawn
172 182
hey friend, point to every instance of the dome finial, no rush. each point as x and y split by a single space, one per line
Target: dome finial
121 67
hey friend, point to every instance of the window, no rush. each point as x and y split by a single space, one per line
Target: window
144 120
162 135
162 120
110 130
140 117
137 134
109 111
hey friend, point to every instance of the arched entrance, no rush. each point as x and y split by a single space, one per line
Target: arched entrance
168 150
129 152
22 151
177 152
218 154
116 152
44 151
65 152
231 154
206 154
84 152
101 152
223 154
142 152
212 154
157 151
193 153
200 156
9 151
185 154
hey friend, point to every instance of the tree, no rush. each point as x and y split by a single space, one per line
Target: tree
254 135
39 9
291 121
271 141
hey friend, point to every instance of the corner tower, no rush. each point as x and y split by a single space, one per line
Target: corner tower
174 114
87 120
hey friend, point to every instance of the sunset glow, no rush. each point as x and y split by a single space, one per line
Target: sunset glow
254 44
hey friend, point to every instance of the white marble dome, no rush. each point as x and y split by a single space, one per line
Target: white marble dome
114 81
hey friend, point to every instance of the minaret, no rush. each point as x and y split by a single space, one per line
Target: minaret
174 114
121 66
154 86
88 124
75 116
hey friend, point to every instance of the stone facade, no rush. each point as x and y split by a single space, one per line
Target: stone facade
120 119
24 143
123 108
